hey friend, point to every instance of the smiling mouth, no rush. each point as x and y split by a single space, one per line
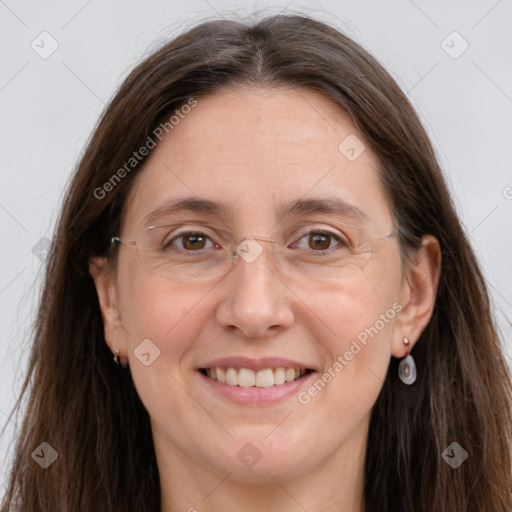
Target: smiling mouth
246 378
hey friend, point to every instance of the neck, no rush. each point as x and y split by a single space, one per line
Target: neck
335 485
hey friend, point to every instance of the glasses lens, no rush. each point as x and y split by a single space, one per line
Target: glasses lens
183 256
323 258
193 256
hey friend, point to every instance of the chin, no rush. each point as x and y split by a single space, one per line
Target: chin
258 460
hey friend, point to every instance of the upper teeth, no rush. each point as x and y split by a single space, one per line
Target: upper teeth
246 378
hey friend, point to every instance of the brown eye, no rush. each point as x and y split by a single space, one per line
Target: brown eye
190 241
322 242
319 241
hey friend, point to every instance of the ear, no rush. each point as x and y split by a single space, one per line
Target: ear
417 294
107 296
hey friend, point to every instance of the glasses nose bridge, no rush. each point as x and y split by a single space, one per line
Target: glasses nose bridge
250 248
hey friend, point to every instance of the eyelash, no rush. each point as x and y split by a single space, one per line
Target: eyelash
342 242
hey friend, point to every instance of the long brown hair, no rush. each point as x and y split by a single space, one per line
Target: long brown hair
88 410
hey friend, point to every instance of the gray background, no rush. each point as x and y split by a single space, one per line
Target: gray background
50 106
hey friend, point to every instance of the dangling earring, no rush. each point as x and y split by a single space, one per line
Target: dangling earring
407 368
118 361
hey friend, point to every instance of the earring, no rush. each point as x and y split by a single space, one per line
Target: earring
118 361
407 368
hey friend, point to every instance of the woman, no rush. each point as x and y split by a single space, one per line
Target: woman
260 236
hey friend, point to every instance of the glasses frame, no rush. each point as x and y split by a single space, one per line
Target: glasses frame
133 243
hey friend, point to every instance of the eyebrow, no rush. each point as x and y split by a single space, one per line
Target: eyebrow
330 206
193 204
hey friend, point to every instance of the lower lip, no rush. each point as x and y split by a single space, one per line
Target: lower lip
255 395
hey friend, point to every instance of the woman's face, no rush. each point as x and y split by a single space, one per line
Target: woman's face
255 152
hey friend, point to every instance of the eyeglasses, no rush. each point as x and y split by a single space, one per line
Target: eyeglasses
193 255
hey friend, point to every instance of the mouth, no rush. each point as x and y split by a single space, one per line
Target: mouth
257 382
248 378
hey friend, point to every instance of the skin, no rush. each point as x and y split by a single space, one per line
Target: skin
254 149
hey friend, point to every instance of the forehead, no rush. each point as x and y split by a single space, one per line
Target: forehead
255 150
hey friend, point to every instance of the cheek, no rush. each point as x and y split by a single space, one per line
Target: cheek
357 309
169 314
356 322
171 317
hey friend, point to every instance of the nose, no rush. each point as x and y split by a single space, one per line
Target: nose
256 301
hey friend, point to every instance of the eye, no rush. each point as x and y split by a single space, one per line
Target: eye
321 241
189 241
